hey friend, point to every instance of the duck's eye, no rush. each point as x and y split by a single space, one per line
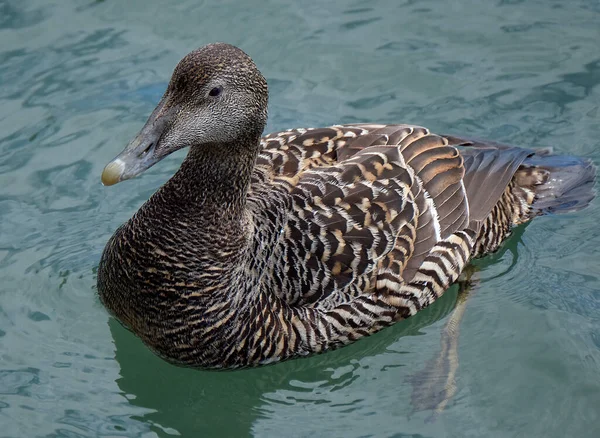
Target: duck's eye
215 91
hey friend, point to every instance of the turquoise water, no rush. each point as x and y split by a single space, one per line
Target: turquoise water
79 78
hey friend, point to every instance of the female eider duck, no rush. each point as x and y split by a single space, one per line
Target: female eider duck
263 249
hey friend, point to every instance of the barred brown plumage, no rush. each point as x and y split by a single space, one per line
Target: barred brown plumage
259 250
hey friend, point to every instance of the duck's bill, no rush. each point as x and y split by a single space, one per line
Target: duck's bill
136 158
140 154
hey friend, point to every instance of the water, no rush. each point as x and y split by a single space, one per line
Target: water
78 79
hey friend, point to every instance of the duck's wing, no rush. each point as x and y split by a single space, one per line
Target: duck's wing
346 218
368 200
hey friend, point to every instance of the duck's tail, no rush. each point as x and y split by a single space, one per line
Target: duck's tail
560 183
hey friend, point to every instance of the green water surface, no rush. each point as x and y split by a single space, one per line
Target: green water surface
78 79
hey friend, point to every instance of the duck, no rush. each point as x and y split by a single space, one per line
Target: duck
266 248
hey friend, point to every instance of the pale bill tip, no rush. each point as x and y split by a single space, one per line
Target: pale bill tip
112 172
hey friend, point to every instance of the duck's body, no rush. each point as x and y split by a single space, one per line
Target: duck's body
259 250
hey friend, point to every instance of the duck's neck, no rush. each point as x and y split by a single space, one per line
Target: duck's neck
212 182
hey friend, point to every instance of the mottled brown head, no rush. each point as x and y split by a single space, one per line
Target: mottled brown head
216 96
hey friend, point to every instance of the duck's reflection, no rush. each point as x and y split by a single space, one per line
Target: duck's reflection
434 385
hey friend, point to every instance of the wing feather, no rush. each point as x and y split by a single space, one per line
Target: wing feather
373 200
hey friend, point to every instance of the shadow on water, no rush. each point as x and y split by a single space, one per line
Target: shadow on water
202 403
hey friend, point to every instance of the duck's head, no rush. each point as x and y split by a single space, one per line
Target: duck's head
216 96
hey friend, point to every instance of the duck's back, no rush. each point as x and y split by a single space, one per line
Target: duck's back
357 209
